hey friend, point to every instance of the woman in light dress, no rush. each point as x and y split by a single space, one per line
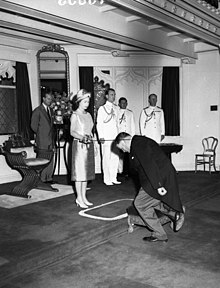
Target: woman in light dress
83 163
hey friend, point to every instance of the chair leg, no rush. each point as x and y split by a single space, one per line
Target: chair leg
42 185
214 164
29 181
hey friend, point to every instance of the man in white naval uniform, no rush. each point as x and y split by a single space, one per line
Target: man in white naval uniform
107 131
152 120
126 124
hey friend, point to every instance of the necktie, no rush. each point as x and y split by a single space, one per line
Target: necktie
48 112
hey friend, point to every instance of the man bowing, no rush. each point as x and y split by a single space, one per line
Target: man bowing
159 188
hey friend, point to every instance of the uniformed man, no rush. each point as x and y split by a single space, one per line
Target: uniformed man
125 118
126 124
152 120
107 131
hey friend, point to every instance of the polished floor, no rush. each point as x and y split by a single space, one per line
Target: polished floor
41 238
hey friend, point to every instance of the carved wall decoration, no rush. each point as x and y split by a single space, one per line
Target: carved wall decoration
181 9
183 13
7 70
174 9
105 74
130 74
100 89
148 77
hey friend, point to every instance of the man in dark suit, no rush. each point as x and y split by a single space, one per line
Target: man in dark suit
42 125
158 181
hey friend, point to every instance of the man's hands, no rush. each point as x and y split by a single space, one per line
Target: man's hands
102 140
162 191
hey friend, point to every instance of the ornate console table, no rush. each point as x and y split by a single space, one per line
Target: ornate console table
170 148
62 134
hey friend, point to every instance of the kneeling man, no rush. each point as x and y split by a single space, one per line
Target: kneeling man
159 187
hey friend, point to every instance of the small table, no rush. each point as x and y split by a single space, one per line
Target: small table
170 148
61 144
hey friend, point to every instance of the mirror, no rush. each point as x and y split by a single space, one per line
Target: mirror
53 69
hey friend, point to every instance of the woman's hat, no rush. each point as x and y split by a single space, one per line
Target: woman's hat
82 94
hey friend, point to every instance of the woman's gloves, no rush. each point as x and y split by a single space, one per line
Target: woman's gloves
86 139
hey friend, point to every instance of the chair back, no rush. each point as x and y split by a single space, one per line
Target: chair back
209 145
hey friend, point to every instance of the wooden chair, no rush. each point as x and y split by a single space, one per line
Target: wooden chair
20 155
209 153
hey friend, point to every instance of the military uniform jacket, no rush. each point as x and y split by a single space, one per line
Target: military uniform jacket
126 121
155 170
152 123
42 125
107 121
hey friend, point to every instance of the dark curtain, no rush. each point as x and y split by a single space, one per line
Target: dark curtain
86 82
24 107
170 100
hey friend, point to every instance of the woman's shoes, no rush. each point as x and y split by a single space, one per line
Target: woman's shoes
88 203
81 205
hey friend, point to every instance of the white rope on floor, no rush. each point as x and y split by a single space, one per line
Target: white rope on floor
84 214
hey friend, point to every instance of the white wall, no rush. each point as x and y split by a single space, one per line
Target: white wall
200 90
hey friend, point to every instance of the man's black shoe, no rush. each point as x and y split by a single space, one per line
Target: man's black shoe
178 221
175 220
154 239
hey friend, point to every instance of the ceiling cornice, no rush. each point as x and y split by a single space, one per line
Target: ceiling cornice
174 48
178 14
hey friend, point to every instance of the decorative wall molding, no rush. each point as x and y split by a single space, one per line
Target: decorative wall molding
185 16
107 78
187 60
7 70
138 75
131 74
199 13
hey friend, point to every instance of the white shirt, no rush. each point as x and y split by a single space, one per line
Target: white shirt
107 121
152 123
126 121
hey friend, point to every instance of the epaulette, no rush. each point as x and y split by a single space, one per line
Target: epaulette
129 110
